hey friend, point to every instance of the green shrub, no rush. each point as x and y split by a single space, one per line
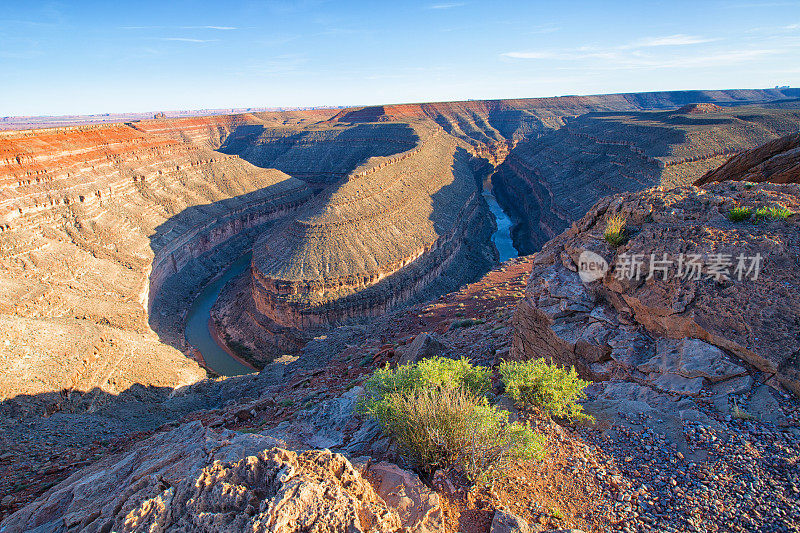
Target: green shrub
466 322
437 412
430 372
440 427
774 213
615 230
739 214
538 384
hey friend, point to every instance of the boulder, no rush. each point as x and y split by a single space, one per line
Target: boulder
419 507
506 522
424 345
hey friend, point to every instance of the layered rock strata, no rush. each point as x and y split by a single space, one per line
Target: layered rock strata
374 242
102 223
777 161
547 182
95 221
673 332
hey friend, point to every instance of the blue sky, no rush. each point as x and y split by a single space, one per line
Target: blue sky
83 57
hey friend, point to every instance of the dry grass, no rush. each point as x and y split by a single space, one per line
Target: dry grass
615 230
446 428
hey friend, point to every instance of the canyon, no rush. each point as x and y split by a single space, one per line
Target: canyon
310 247
114 229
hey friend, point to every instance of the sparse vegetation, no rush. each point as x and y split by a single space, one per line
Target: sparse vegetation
536 384
445 427
773 213
739 214
437 412
739 413
466 322
615 230
430 372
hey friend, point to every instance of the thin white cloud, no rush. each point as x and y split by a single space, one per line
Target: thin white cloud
530 55
448 5
613 52
223 28
186 40
761 5
545 28
670 40
775 30
624 59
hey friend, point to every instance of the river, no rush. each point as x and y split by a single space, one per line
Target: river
197 332
218 360
502 237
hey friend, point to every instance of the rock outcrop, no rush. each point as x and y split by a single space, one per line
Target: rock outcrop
699 109
199 479
98 222
777 161
692 301
377 241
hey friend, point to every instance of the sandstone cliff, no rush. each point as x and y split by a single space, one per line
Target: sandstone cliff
101 223
673 332
95 219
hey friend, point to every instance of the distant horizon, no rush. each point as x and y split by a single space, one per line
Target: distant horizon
89 57
276 109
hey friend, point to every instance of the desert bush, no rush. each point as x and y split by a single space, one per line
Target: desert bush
437 412
538 384
615 230
466 323
430 372
774 213
739 214
444 428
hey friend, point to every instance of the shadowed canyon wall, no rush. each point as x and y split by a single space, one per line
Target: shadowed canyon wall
548 182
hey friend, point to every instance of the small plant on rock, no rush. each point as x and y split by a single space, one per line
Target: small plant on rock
773 213
615 230
440 427
739 214
536 384
466 323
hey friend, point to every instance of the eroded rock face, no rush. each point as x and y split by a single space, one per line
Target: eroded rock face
379 239
777 161
197 479
549 181
673 335
95 220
